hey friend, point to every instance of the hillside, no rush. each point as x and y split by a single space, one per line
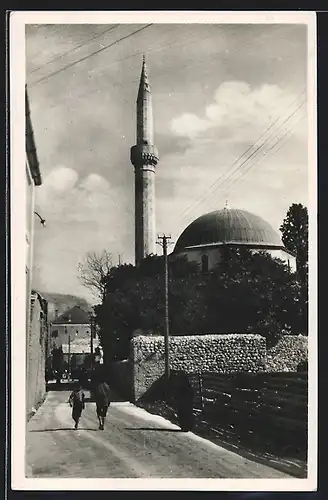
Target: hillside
62 302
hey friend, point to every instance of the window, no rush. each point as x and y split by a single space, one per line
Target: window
204 263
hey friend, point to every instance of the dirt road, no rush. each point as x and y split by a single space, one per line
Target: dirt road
134 444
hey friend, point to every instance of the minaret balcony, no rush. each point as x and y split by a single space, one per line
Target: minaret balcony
144 154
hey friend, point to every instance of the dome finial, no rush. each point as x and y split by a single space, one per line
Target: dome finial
226 205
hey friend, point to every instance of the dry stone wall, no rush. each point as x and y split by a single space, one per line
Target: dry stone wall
195 353
287 354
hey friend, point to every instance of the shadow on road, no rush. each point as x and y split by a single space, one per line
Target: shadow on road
69 386
158 429
55 386
65 429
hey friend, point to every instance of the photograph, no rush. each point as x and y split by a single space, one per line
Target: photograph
163 250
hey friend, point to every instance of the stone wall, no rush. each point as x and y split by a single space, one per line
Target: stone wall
287 354
36 354
196 353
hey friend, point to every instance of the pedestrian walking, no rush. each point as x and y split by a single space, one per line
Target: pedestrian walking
76 402
102 398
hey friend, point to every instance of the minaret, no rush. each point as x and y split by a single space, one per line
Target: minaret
144 157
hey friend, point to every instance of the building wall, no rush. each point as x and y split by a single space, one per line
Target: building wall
214 256
36 354
36 308
58 335
29 230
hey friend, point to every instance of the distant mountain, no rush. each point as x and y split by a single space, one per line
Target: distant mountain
61 302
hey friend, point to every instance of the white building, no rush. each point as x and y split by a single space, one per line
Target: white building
33 179
75 333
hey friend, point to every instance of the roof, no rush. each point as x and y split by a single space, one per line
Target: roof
75 316
30 144
228 226
43 302
143 84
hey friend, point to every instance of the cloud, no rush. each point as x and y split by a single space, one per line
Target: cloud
189 125
238 107
61 179
94 182
85 214
62 197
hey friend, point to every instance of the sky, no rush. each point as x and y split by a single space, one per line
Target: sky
230 123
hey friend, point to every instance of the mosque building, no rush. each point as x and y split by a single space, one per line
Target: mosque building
204 239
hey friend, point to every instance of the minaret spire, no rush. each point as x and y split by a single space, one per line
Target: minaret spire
144 157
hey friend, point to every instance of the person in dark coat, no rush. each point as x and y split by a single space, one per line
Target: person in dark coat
76 402
102 398
185 402
101 393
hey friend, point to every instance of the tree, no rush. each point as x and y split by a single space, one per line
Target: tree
294 231
255 293
94 270
246 293
134 301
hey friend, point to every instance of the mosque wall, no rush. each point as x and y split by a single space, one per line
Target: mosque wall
286 257
214 256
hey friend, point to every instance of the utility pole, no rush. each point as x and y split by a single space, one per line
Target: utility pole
69 350
164 239
91 333
69 357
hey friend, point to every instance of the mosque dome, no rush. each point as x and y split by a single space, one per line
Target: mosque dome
228 226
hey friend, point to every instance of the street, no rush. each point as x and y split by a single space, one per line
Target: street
134 444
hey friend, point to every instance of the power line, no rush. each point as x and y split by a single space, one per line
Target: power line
288 134
210 189
181 67
54 73
88 93
151 51
60 56
260 155
169 44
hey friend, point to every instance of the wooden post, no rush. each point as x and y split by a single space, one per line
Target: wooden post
91 334
166 327
69 357
164 244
